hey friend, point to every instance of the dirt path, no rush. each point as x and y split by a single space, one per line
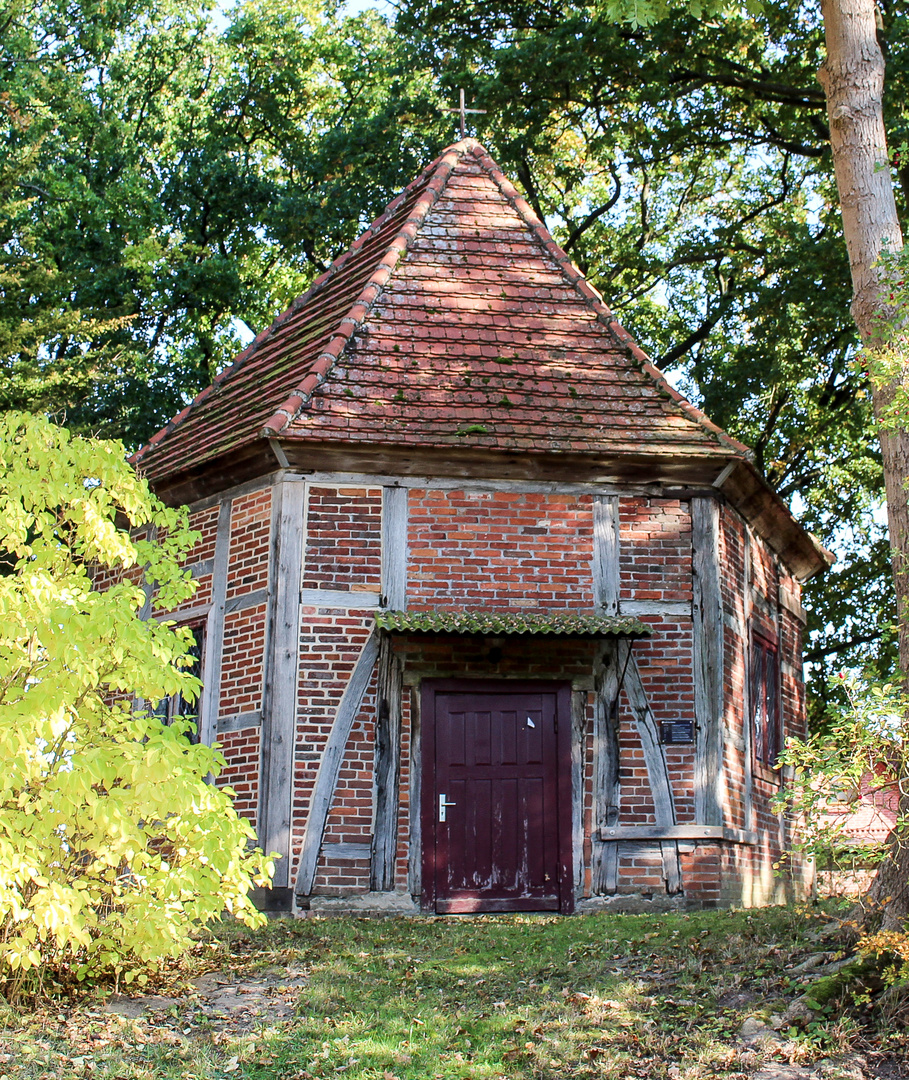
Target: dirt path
225 1003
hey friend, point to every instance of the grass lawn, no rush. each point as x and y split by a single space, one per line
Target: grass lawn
457 998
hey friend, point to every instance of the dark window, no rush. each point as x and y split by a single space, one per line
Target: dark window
765 700
176 706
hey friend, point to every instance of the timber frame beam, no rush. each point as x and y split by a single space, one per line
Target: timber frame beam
383 852
703 833
279 712
710 794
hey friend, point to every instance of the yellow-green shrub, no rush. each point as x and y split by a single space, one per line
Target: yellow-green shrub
113 847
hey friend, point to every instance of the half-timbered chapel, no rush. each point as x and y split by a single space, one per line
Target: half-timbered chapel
489 617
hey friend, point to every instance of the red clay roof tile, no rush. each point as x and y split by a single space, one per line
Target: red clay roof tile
454 318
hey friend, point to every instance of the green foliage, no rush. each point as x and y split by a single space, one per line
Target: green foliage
641 13
113 847
859 751
852 602
886 362
172 178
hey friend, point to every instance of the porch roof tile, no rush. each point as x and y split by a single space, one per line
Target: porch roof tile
506 623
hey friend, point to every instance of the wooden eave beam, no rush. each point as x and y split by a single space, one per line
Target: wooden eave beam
455 462
773 521
246 462
684 474
458 460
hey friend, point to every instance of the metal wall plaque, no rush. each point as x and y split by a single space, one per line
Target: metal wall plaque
677 731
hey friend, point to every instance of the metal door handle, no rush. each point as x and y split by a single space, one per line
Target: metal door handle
443 805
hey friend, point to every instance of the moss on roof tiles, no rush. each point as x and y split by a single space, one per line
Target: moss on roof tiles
501 623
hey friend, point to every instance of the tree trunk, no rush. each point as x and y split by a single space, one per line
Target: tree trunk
887 901
853 80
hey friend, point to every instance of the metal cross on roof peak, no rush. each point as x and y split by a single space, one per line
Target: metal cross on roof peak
463 110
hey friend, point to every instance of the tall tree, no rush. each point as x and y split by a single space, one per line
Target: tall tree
853 81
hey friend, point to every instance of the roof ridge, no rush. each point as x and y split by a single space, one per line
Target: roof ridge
321 282
594 300
438 172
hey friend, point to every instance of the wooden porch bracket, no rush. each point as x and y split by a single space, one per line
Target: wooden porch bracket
384 847
578 733
620 671
605 852
654 759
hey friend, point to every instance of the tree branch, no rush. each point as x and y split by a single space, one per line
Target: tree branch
594 215
765 89
702 332
526 178
842 646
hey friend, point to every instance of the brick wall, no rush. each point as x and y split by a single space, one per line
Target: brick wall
330 643
655 552
753 581
343 539
242 751
250 530
243 661
242 666
477 549
243 655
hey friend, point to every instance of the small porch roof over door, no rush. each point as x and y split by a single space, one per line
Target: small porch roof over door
512 623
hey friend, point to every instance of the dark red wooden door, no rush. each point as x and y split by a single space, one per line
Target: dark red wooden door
496 799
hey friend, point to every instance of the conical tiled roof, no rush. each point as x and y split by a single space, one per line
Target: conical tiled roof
455 319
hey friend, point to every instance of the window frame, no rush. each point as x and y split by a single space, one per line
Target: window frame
764 700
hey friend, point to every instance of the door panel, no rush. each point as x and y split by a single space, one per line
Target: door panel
496 762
